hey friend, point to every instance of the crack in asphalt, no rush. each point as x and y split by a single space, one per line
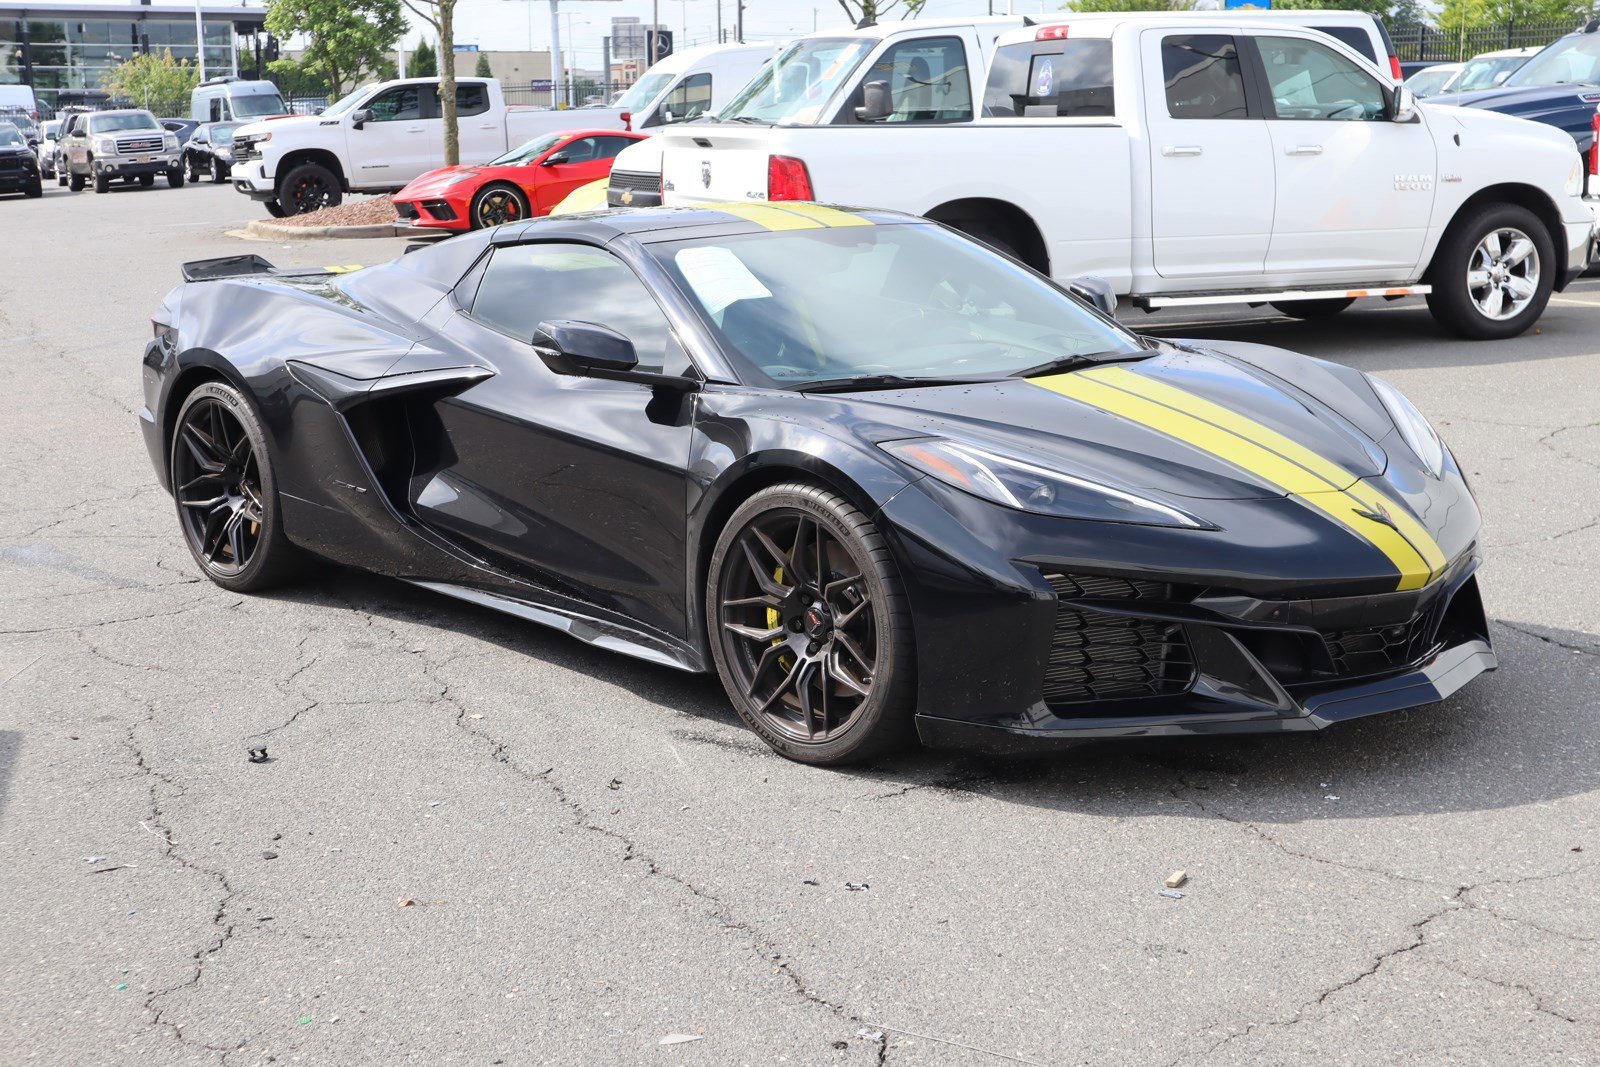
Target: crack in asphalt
187 606
1524 631
1548 441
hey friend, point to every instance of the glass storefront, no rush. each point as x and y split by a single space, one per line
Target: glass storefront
78 53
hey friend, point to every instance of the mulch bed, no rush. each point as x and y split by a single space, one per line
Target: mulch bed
368 211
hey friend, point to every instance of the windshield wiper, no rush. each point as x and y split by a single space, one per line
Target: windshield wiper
747 118
884 381
1073 362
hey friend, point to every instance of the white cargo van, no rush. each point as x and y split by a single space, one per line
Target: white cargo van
230 99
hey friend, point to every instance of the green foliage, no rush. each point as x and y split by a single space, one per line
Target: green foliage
297 79
876 10
347 38
482 69
150 78
1462 15
424 62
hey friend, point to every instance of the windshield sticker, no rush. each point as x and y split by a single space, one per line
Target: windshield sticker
718 277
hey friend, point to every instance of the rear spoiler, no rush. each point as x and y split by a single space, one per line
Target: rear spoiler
211 270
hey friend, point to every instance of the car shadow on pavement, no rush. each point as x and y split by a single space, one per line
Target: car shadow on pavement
1521 735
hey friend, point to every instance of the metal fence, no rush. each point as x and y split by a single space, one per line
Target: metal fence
1426 44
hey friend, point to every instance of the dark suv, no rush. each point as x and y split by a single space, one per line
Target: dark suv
19 167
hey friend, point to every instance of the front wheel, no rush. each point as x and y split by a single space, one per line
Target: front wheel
147 180
174 178
34 189
274 209
219 173
809 627
1313 309
498 204
308 187
1493 273
102 183
227 494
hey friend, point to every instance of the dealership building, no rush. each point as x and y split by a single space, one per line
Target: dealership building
57 47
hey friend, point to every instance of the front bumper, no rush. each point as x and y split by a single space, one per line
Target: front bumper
438 214
131 168
251 179
14 181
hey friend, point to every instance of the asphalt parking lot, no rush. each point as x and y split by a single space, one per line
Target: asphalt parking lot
480 842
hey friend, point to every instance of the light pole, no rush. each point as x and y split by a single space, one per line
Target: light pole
572 81
199 40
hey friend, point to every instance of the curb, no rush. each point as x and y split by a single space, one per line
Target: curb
278 231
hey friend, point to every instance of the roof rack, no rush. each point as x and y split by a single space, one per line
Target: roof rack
221 79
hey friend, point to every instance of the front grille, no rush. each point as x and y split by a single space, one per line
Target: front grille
141 146
8 162
1375 649
639 183
1094 656
245 148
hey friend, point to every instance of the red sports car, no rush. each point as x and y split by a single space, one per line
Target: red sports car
523 183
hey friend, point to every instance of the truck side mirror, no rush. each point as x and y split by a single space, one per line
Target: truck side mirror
1404 106
876 103
360 117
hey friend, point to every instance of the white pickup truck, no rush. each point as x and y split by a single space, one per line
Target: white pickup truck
1185 160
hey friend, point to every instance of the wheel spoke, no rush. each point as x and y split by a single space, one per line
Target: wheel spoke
783 687
848 643
769 585
236 538
844 678
841 621
772 549
808 671
1521 288
1493 245
203 449
754 633
1477 279
204 476
800 553
1519 250
765 600
211 503
212 543
772 654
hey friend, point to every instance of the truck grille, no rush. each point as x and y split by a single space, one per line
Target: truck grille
1097 657
639 183
245 148
139 146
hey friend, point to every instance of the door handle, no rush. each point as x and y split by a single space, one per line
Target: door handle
487 126
414 129
1181 150
1303 150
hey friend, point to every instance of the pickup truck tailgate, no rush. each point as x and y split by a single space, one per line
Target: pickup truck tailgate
715 164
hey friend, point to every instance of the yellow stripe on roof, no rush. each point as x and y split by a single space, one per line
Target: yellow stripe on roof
828 216
769 218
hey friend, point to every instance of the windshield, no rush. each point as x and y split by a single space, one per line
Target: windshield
1480 73
138 120
793 87
50 129
1430 81
528 152
1573 60
795 307
223 134
255 106
346 102
641 92
9 134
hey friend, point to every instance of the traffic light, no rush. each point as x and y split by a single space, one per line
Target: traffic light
663 39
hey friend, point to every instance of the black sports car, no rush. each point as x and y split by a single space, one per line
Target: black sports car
884 480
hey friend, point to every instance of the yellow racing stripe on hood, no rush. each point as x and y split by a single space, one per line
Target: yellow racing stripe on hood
1307 478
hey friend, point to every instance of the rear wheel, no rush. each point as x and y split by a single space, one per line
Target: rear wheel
308 187
226 493
1493 273
75 180
194 168
497 204
809 627
1313 309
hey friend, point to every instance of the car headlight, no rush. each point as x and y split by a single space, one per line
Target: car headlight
169 141
1574 185
105 146
1015 483
225 153
1415 429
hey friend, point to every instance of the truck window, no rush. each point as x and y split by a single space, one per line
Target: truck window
1311 81
472 98
1353 37
927 81
1203 77
1050 79
688 100
403 103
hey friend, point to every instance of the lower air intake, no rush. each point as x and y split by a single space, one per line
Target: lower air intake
1095 656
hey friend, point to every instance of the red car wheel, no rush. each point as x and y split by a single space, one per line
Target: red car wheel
497 204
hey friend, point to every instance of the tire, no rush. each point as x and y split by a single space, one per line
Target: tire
250 550
76 183
1313 309
496 204
219 173
274 209
308 187
61 177
781 655
102 183
174 178
194 169
1467 254
147 180
34 189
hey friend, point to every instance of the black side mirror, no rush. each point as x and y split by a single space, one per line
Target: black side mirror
559 157
877 105
360 117
583 348
1096 292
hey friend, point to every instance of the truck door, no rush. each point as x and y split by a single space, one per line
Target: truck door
1355 190
482 135
404 138
1212 184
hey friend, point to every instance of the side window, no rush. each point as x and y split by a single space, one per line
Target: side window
581 150
1203 77
610 146
1312 81
401 104
1051 79
472 98
525 285
216 109
927 81
1352 37
689 100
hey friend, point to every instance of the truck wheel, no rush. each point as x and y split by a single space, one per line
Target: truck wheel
102 182
1313 309
497 204
308 187
174 177
76 182
1493 273
61 177
274 209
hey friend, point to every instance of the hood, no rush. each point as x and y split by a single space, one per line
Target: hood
15 150
1537 102
1212 433
276 125
434 181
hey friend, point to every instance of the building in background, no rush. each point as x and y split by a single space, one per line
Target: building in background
55 48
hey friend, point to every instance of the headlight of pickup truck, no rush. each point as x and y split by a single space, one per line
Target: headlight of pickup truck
169 141
1574 185
104 146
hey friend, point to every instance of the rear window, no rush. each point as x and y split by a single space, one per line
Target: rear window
1048 79
1353 36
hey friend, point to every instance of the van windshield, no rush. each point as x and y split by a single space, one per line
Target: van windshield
641 92
257 105
794 87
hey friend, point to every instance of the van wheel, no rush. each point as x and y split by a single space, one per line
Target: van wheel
1493 273
1313 309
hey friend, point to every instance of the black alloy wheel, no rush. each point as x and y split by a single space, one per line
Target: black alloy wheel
225 492
308 187
809 629
497 204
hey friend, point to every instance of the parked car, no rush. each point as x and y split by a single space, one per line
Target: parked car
182 129
233 99
48 146
519 185
25 123
886 483
209 150
124 145
19 167
1172 173
1431 81
1490 69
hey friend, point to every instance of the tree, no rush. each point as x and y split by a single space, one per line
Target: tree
1128 5
875 9
482 70
441 15
295 78
150 79
347 38
424 61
